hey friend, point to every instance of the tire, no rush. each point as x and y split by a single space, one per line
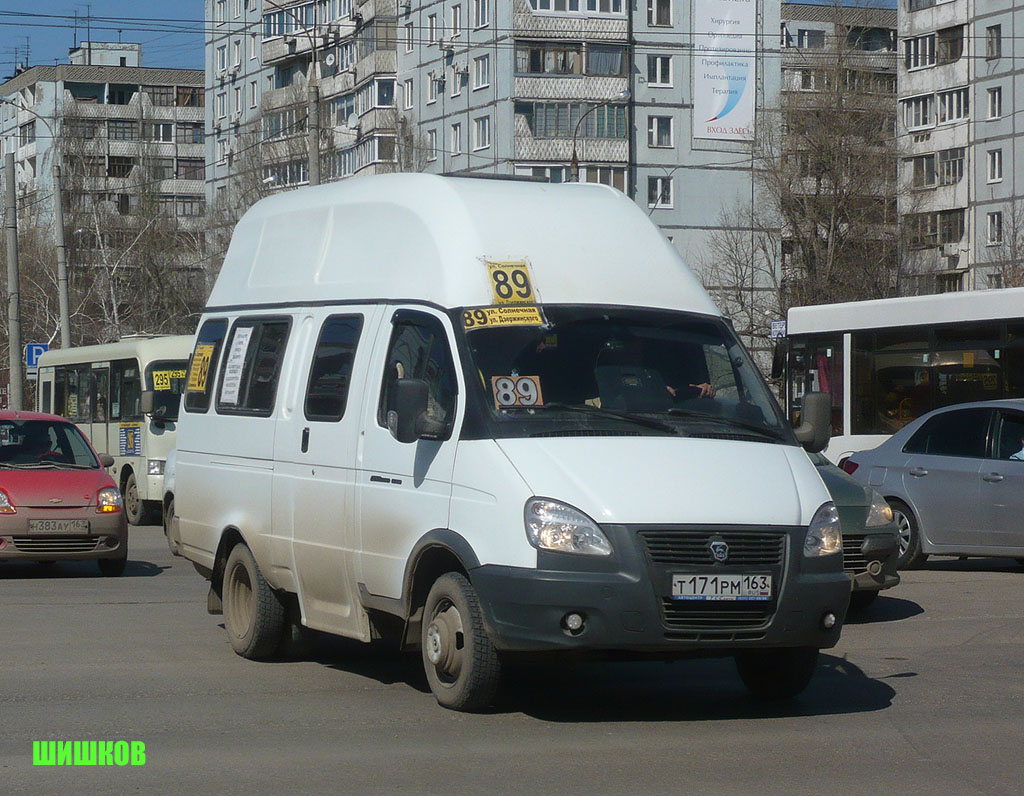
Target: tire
462 666
114 567
134 509
254 615
173 542
859 600
909 536
778 673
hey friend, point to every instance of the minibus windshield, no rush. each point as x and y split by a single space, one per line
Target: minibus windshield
166 378
599 370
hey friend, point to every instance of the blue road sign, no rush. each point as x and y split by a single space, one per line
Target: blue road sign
32 353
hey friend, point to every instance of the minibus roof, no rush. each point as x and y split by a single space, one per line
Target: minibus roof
422 237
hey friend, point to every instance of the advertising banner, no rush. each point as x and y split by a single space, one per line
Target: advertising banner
724 69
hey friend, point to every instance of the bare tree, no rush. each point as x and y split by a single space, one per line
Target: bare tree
1008 254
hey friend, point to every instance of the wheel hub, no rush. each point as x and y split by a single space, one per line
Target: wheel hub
443 642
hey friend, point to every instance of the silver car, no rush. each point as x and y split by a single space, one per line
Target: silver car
955 480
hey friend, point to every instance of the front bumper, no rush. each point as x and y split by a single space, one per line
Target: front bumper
625 599
107 536
870 559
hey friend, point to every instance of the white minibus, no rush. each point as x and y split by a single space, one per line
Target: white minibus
492 419
125 396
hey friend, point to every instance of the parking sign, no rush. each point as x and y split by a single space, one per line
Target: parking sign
33 351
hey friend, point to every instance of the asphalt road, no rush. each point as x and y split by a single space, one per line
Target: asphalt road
924 694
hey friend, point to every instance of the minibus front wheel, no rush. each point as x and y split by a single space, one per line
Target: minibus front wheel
461 663
254 615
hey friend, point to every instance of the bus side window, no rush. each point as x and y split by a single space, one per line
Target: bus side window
47 397
59 391
125 391
101 395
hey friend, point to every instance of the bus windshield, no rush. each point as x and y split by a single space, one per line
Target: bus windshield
166 378
597 370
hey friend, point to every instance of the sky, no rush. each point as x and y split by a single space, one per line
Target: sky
171 34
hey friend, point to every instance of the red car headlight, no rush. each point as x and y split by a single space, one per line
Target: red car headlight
6 507
109 500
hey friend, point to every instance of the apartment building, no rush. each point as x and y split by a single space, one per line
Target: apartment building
124 136
963 139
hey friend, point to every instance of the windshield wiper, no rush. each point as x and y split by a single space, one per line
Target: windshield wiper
678 412
640 420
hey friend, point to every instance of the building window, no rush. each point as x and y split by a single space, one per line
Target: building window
238 100
253 43
222 58
122 130
559 119
606 60
549 59
481 72
481 132
190 169
917 112
919 52
222 105
954 105
120 166
659 132
923 171
808 39
951 226
432 84
189 205
162 132
220 12
456 139
407 94
995 165
27 133
162 96
993 41
949 45
190 97
237 60
190 133
578 6
253 94
408 37
951 166
432 28
995 102
456 21
659 12
995 228
949 283
479 13
431 144
659 192
659 71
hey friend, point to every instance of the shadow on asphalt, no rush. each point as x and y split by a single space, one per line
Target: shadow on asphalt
884 609
597 691
941 564
32 570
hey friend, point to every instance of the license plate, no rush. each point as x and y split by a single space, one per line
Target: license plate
58 526
721 587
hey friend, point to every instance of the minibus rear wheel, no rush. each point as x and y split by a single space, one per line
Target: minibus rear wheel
254 614
461 663
777 673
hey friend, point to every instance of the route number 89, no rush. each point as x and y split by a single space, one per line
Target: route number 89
510 283
512 391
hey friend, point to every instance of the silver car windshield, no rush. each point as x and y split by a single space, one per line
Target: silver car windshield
603 370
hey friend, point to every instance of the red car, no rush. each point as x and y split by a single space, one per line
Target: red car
57 501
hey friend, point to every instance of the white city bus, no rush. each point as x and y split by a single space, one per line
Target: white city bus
888 361
100 388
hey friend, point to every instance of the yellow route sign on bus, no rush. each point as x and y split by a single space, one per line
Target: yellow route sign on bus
200 367
510 282
162 378
480 317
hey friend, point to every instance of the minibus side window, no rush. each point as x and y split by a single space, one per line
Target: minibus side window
203 365
331 371
419 350
251 367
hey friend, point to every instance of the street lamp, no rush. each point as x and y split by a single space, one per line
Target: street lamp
620 97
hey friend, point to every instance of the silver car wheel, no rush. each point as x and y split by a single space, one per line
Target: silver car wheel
903 528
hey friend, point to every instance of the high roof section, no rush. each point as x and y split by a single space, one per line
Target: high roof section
425 237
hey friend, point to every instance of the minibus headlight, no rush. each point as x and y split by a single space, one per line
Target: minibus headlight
554 526
823 534
880 513
6 507
108 500
154 466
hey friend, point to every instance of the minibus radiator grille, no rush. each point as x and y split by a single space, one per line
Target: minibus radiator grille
34 544
692 547
715 620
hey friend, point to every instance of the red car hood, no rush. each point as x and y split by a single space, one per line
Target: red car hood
54 488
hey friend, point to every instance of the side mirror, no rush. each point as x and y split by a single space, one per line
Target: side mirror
815 427
410 402
779 359
106 460
147 402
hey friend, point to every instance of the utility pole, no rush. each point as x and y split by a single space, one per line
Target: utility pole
313 127
16 389
62 260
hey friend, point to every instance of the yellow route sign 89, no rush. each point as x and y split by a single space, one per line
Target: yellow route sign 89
510 283
200 367
481 317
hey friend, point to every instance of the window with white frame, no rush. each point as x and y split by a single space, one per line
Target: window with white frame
456 139
659 71
253 96
237 60
220 12
993 41
918 112
951 165
953 105
810 39
995 228
480 15
456 21
432 84
481 71
995 102
237 91
659 192
431 144
659 131
238 8
922 171
460 74
407 96
222 105
919 52
253 44
408 37
432 28
222 57
481 132
995 165
588 7
659 12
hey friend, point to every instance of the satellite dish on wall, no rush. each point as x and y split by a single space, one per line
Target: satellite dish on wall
353 121
330 59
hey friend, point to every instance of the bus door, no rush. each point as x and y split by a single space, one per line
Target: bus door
100 403
124 429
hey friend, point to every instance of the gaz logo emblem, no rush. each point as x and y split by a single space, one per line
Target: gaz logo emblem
719 549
